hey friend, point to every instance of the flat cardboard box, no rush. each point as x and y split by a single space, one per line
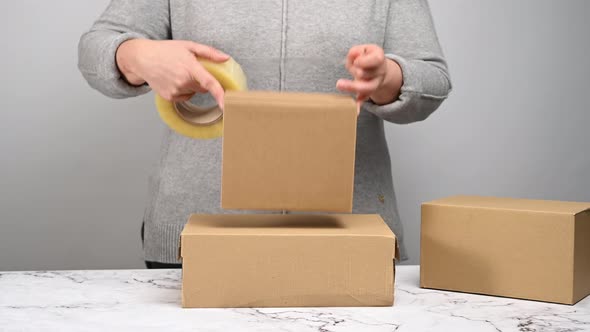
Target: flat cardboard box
287 260
528 249
288 151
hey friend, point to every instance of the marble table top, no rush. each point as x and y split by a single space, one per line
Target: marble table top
149 300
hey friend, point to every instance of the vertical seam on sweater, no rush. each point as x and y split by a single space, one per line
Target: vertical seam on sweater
283 45
387 22
170 21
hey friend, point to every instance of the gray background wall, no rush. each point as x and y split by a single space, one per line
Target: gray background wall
75 164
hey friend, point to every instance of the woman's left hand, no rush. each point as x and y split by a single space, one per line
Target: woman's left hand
374 76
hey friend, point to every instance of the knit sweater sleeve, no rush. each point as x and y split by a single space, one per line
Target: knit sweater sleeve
121 21
411 41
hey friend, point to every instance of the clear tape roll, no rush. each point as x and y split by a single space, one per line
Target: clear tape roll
197 122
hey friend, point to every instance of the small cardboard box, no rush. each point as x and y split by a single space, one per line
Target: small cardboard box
275 260
288 151
529 249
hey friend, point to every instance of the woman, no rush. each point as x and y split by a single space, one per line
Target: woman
389 48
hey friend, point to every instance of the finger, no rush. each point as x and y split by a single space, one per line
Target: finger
207 52
358 87
346 86
371 60
353 54
209 83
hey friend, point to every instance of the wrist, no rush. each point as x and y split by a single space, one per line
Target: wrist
390 88
127 60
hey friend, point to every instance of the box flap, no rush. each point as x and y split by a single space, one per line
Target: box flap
262 97
353 225
515 204
287 224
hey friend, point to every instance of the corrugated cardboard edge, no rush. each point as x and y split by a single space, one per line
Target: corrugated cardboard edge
179 255
581 280
583 211
351 203
396 258
421 258
440 202
179 258
396 254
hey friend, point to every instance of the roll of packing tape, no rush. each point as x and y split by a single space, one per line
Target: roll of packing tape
198 122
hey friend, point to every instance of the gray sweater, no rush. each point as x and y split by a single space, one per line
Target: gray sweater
283 45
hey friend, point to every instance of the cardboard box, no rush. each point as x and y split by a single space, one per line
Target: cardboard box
274 260
288 151
529 249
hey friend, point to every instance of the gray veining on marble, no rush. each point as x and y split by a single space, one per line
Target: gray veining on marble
150 300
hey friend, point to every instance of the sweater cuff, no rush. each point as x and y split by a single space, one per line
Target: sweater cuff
107 74
419 95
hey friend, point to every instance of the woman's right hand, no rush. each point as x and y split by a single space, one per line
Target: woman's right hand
170 67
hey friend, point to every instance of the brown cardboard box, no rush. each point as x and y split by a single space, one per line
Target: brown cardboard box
292 260
529 249
288 151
